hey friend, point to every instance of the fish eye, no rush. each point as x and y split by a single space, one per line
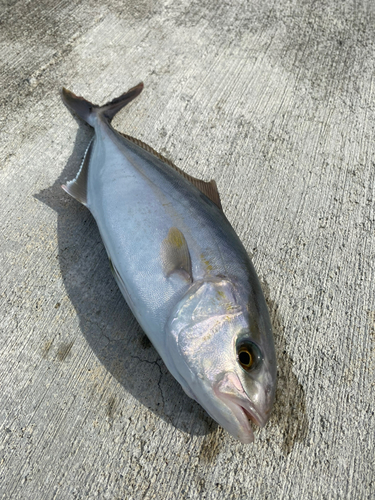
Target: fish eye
245 358
248 355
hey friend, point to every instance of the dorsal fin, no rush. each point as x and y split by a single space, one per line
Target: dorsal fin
207 188
78 186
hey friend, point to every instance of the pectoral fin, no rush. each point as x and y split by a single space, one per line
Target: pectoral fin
175 255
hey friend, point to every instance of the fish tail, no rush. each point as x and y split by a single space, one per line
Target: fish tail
88 111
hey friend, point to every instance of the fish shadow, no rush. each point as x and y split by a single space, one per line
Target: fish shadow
104 317
289 412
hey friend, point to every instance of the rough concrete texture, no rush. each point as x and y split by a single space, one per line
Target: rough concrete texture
274 100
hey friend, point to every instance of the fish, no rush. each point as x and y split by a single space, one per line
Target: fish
181 268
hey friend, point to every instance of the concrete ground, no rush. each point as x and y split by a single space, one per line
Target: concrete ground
274 100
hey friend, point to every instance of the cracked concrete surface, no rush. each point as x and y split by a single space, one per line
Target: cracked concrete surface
275 101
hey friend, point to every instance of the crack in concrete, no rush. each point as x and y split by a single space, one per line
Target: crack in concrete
156 362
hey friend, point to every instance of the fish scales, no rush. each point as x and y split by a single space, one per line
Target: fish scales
182 269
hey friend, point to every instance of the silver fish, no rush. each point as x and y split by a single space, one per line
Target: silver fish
182 270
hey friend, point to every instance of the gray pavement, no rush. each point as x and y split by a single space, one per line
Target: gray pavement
276 102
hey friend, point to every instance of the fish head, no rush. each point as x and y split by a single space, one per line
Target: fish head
223 355
246 385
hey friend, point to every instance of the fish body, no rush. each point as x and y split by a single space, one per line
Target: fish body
182 270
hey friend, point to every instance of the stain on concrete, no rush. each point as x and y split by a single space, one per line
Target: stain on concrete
211 445
64 350
111 407
46 348
371 316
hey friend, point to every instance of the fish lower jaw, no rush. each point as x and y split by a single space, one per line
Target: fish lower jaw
242 430
253 417
244 418
243 411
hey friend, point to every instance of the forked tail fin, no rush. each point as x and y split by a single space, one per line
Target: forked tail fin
88 111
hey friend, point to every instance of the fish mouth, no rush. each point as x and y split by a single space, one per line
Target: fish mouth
253 416
245 416
231 393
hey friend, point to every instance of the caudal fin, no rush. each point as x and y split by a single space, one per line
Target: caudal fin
88 111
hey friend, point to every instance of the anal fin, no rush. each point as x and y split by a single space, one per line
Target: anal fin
77 188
